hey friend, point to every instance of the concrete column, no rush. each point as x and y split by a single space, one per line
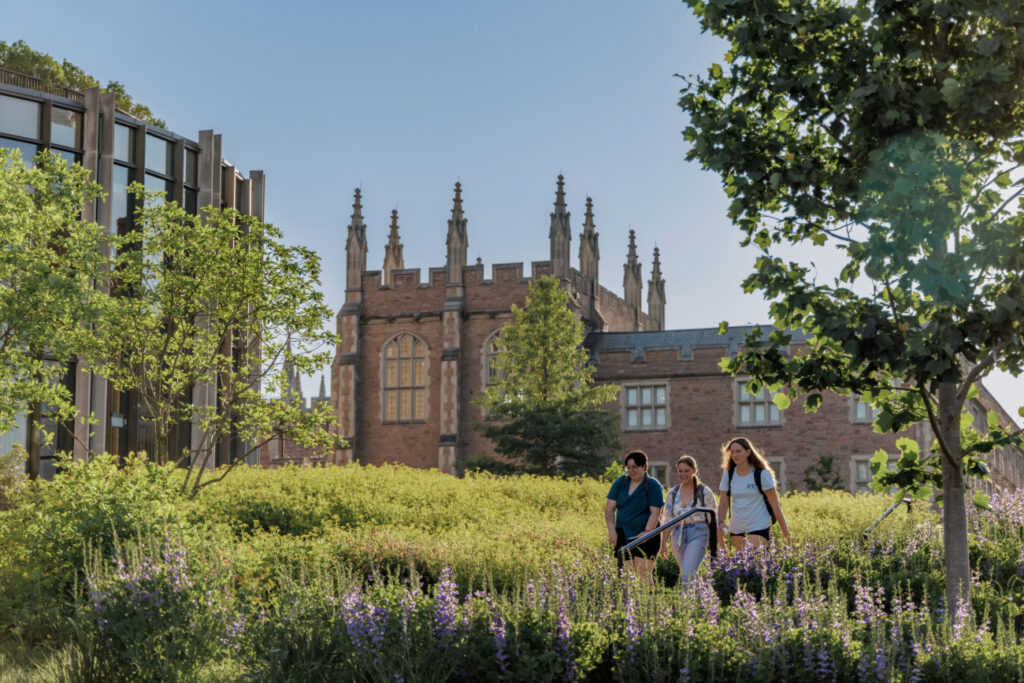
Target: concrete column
98 140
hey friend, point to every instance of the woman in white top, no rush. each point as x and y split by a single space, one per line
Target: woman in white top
750 507
689 538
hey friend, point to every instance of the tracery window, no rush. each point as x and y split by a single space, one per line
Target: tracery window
405 379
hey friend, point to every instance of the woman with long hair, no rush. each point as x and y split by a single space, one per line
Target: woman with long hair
748 496
689 538
634 507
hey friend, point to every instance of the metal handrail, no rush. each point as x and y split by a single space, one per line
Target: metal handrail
906 499
20 80
712 540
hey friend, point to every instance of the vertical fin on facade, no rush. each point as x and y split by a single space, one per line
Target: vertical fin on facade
458 241
589 252
656 294
560 234
355 247
393 259
632 281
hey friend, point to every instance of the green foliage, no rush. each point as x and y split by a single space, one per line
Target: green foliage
354 572
216 300
890 134
152 613
391 517
18 56
88 507
49 259
544 410
12 475
824 474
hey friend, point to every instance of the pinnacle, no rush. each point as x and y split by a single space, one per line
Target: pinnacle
588 217
357 208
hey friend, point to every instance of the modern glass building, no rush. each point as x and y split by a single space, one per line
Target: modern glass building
117 149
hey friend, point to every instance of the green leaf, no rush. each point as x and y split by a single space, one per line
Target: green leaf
981 500
781 400
923 492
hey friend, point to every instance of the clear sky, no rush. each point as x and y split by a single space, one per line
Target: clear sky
403 98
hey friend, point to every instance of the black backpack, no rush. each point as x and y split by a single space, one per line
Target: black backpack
757 481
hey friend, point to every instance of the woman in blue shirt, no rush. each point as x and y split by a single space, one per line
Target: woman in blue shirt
634 507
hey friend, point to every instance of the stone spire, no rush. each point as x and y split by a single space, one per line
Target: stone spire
457 241
632 280
589 253
355 247
656 294
560 234
323 390
393 259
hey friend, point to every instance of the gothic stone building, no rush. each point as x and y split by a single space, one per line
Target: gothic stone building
414 354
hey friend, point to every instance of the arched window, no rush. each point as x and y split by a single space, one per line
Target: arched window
405 379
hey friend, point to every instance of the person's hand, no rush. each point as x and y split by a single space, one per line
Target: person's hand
664 551
613 537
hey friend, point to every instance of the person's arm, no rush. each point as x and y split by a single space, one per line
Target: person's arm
654 519
773 499
723 508
609 520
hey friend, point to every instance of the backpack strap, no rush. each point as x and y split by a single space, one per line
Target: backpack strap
732 470
757 480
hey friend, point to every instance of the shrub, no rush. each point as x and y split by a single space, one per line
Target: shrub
43 540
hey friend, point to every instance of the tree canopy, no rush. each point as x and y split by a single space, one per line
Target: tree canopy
543 409
206 312
49 260
889 131
18 56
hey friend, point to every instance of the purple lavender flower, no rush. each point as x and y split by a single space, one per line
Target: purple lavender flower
446 603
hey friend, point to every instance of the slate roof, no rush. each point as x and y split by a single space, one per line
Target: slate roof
685 341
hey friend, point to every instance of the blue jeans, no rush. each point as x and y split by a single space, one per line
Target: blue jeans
689 543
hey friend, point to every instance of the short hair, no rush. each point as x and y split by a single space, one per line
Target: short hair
639 457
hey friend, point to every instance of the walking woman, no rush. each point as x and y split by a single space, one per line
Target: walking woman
634 507
748 496
689 538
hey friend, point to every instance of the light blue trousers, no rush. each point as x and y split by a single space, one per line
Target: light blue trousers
689 543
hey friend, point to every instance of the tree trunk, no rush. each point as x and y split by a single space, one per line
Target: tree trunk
954 510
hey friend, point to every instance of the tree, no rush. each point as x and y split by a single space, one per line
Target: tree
49 260
206 312
18 56
891 131
544 409
823 475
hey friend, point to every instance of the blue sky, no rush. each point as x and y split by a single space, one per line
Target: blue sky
405 98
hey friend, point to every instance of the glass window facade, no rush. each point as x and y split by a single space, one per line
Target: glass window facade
159 155
65 127
155 184
27 149
191 176
19 117
120 200
124 143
